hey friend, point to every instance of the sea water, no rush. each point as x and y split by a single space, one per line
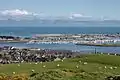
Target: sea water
31 31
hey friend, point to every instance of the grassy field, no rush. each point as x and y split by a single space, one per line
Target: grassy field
86 67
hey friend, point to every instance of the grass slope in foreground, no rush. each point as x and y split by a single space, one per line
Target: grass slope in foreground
86 67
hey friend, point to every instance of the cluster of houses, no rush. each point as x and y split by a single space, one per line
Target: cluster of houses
76 38
106 41
67 38
9 38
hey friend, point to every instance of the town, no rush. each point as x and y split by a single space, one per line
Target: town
93 39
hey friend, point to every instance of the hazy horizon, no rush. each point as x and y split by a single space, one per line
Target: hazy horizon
108 9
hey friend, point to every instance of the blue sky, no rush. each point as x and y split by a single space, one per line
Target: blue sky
94 8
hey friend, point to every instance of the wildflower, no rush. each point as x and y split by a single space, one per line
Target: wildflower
77 66
58 65
105 67
33 70
18 64
85 63
115 67
111 67
36 63
44 66
13 72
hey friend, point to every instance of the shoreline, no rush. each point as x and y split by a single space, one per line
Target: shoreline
100 45
85 44
14 41
76 39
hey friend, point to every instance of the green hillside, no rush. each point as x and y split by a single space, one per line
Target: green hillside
85 67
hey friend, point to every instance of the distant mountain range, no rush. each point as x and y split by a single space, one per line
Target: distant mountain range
24 18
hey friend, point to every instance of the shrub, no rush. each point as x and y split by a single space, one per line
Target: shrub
20 77
49 75
13 77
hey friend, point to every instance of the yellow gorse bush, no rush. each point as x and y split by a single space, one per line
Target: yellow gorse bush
14 77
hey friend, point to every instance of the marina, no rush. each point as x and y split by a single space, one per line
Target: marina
75 39
69 46
60 38
85 43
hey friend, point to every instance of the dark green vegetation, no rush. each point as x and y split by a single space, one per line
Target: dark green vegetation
85 67
101 45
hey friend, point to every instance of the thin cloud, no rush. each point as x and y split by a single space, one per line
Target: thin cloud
77 15
17 12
